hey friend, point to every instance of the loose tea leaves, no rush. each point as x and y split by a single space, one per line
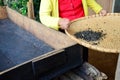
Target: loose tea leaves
90 35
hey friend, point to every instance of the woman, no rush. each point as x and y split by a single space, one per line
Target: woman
57 14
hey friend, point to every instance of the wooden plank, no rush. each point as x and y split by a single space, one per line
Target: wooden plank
52 37
105 62
3 12
30 9
34 59
106 4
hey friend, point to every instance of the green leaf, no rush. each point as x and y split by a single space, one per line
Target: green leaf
1 3
23 10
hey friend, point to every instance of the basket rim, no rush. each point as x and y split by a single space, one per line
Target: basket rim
95 15
90 46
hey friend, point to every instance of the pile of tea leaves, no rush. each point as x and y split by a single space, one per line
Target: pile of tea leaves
90 35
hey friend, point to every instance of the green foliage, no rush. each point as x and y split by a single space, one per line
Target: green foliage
18 5
21 6
1 3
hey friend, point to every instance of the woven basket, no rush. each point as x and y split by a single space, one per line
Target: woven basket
109 24
3 12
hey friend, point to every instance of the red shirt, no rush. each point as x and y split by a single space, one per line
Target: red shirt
71 9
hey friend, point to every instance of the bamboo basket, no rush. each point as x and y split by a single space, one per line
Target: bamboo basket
109 24
3 12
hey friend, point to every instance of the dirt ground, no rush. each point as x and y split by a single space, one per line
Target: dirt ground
105 62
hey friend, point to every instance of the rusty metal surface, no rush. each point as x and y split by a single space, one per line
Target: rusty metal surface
18 45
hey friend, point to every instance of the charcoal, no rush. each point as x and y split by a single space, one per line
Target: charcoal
90 35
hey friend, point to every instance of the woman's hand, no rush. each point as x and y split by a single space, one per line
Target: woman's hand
103 12
64 23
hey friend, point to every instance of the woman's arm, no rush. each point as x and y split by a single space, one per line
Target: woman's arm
45 12
96 7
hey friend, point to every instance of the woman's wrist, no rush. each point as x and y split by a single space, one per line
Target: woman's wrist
63 23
